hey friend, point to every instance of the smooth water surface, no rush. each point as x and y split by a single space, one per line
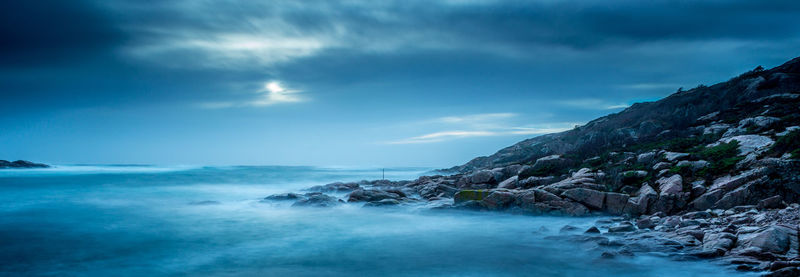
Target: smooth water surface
208 221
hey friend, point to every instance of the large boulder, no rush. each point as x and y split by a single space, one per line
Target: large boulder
590 198
615 202
718 241
706 200
535 181
775 239
470 195
498 200
641 203
436 190
509 183
482 177
671 185
646 158
749 143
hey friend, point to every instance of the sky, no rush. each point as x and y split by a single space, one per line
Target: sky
351 83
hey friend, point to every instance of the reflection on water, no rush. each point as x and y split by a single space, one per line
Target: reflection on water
139 221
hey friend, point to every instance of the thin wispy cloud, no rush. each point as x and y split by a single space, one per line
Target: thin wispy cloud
649 86
591 104
481 125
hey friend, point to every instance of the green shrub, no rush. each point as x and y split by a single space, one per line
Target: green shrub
790 143
723 157
720 151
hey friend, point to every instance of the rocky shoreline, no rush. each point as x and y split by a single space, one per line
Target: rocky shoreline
708 173
757 238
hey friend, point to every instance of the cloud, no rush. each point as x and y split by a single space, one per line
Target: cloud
273 93
591 104
480 125
650 86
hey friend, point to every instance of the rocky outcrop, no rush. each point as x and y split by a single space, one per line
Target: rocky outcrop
21 164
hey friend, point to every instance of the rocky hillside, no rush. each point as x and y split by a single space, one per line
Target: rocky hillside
680 115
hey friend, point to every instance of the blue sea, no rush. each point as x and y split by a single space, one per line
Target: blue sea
132 220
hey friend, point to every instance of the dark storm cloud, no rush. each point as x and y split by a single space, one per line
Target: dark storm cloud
192 51
53 31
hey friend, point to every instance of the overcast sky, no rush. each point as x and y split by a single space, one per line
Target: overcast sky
353 83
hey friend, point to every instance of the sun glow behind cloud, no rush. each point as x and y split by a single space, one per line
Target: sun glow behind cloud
272 93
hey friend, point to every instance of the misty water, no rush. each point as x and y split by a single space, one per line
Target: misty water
208 221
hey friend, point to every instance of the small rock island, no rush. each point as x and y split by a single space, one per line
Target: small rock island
21 164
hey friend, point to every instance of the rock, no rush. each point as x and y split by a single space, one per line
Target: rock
615 202
749 143
335 187
569 208
592 230
543 167
498 200
776 265
645 223
635 173
716 129
372 195
482 177
675 156
282 197
671 185
723 241
382 203
698 189
535 181
433 190
646 158
468 205
709 253
775 239
758 121
706 201
640 204
661 166
622 227
775 202
467 195
21 164
317 200
708 117
728 183
697 215
785 272
591 198
788 130
509 183
693 165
